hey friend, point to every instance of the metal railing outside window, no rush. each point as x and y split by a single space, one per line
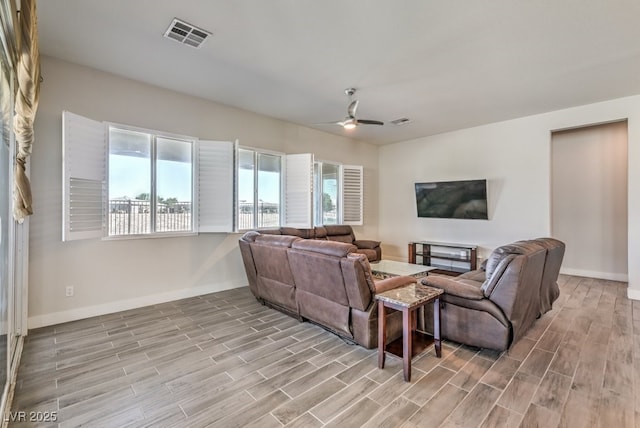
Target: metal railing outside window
268 215
133 217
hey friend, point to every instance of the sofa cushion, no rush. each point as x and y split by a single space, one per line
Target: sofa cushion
500 253
250 236
491 281
476 275
320 232
302 233
276 240
340 238
269 231
329 248
366 268
366 244
465 288
339 229
393 282
371 255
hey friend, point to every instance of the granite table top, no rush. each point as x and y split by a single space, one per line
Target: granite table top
410 295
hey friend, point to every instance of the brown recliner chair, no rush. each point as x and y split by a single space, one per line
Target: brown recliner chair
498 311
344 233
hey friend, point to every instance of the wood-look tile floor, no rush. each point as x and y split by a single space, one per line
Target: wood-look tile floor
224 360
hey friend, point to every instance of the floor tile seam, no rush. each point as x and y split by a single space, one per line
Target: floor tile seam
282 386
448 382
293 421
310 411
564 399
279 372
495 403
89 378
416 375
98 397
506 388
229 399
93 386
454 371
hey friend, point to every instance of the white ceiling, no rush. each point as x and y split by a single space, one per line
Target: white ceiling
446 65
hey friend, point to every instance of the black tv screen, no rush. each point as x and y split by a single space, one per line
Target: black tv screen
452 199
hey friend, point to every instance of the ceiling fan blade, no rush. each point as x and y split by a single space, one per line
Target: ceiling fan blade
338 122
369 122
351 110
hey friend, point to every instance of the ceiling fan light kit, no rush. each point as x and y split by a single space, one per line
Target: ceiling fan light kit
349 124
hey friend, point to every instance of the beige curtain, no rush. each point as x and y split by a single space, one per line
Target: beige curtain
26 104
8 18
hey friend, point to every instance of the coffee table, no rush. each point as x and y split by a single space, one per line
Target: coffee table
388 268
408 299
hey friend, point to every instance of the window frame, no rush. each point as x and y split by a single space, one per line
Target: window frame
318 202
256 152
154 134
350 193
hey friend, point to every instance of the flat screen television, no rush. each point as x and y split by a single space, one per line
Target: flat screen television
452 199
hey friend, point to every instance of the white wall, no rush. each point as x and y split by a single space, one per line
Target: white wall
515 158
115 275
589 199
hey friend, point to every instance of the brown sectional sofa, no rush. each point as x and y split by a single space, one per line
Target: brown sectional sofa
339 233
493 307
322 281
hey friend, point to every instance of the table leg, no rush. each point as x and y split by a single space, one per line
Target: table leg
436 327
382 333
406 343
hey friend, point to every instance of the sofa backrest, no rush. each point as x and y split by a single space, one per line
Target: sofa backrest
514 274
320 232
247 259
549 290
302 233
340 233
274 279
321 293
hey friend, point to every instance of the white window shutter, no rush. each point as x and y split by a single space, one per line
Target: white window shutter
84 166
298 199
352 195
215 186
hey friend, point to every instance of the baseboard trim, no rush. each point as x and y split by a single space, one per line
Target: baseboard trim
633 294
594 274
124 305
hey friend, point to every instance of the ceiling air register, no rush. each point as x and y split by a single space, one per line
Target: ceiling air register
186 33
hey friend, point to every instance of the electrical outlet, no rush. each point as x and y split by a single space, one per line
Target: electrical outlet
69 291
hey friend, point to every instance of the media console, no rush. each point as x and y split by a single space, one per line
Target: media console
447 258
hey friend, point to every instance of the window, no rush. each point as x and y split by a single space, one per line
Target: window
122 181
326 184
337 194
150 183
259 189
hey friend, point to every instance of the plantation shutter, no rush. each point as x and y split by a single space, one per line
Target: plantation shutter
84 166
215 186
298 210
352 195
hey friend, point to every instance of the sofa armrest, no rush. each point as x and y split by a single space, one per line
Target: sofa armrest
366 244
393 282
467 289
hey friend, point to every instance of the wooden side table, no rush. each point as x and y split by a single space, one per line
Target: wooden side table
408 299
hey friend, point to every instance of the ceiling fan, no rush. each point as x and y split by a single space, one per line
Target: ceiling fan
351 121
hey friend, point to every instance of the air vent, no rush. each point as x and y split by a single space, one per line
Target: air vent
186 34
401 121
